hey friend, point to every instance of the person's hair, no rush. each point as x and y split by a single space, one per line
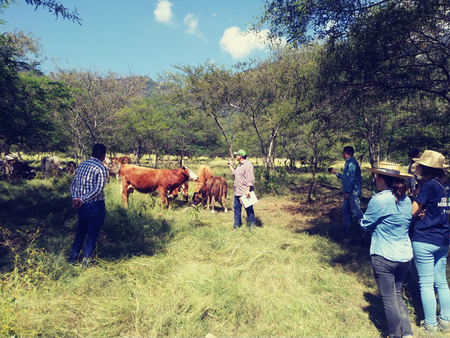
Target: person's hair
349 150
397 186
413 152
428 173
98 150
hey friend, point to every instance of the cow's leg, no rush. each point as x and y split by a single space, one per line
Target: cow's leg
124 185
222 203
213 202
162 194
208 201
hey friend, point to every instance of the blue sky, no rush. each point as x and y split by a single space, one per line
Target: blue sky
143 37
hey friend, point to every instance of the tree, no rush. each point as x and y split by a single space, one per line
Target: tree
98 99
263 92
385 44
206 89
27 103
26 48
52 6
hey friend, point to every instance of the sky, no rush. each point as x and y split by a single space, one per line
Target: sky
142 37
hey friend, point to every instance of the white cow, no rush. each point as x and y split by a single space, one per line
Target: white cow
50 165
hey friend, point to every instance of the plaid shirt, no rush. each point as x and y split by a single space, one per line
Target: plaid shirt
243 178
89 181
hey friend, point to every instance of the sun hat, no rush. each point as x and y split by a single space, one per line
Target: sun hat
431 158
389 169
241 152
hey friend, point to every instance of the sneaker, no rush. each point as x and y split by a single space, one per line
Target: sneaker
428 328
444 325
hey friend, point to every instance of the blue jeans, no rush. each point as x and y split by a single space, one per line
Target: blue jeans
237 213
351 206
389 277
431 261
91 217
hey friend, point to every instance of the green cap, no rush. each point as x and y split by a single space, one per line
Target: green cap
241 152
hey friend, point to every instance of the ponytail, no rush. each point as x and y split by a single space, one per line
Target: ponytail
397 186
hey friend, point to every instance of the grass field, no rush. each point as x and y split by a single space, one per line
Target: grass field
183 273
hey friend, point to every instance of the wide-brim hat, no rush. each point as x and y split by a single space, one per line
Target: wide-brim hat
431 158
389 169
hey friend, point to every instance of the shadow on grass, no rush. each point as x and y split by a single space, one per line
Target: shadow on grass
40 213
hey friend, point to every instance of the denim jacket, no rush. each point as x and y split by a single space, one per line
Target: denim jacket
351 178
389 223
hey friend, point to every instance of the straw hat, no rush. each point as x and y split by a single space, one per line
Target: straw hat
389 169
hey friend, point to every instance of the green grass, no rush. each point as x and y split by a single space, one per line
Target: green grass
183 273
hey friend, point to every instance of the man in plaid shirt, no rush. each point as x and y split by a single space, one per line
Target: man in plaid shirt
88 197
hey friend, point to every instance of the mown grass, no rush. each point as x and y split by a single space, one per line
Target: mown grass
183 273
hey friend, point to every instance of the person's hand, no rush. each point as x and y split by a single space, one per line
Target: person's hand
421 213
332 170
248 194
76 203
346 195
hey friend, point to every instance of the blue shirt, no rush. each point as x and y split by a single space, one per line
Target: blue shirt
89 181
351 178
389 222
434 227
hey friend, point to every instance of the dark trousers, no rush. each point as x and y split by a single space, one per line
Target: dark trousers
389 277
237 206
91 217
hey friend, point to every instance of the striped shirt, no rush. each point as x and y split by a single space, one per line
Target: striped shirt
89 181
243 178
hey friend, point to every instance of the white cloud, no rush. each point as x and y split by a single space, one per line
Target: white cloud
241 44
163 12
192 22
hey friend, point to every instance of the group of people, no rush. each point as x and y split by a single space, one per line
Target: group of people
389 216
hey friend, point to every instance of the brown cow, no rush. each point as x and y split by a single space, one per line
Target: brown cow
213 189
146 180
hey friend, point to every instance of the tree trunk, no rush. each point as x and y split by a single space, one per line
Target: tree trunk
311 185
137 152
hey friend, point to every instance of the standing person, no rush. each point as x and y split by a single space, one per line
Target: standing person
88 197
388 218
412 182
431 238
351 187
243 185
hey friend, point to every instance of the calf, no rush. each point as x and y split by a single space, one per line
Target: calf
184 189
146 180
213 189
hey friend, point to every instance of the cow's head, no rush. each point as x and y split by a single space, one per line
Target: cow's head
196 198
192 175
